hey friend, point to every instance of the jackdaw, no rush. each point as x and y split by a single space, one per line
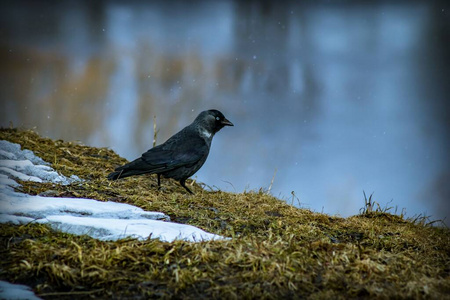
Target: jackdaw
181 155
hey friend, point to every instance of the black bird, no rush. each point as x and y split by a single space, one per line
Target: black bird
180 156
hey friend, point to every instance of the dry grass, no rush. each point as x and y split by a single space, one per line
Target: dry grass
276 250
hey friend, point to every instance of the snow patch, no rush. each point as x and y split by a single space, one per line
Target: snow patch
8 148
11 291
26 170
38 207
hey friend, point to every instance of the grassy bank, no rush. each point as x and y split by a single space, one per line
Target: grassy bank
275 251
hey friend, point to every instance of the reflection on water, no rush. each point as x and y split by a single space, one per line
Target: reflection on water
337 98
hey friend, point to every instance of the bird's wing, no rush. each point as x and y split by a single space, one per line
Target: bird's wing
167 158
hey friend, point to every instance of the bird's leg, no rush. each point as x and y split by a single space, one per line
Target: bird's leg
159 181
183 185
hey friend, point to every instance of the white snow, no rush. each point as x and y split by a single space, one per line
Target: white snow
6 154
38 207
24 165
11 291
13 150
5 181
113 229
18 175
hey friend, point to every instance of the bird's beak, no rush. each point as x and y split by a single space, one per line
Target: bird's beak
225 122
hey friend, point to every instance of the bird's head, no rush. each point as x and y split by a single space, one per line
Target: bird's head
212 121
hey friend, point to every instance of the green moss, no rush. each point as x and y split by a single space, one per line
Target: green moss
276 250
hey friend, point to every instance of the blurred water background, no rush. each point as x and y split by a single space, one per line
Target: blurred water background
335 97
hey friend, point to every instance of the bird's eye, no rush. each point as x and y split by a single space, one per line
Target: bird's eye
217 118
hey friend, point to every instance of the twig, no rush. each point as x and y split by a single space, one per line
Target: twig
155 132
70 293
271 182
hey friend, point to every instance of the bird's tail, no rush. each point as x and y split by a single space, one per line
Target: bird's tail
124 173
115 175
136 167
